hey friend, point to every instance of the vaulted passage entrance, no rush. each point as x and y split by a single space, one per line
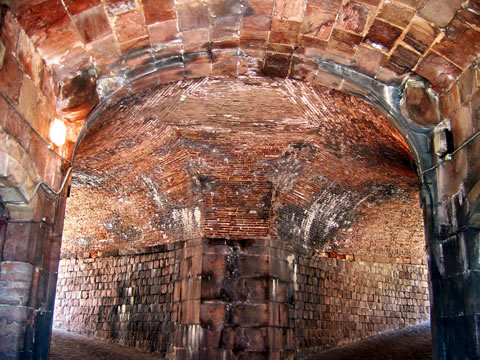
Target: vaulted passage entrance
242 216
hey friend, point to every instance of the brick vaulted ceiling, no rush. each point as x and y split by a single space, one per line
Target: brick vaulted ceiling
235 158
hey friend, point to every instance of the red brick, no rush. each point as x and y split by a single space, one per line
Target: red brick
460 44
11 77
163 32
10 32
284 31
41 16
303 70
212 314
29 58
343 43
311 46
77 6
318 22
24 242
264 7
290 9
92 24
440 12
131 47
256 22
225 63
396 13
129 26
382 35
327 5
57 43
16 271
368 60
276 65
190 312
117 7
251 339
254 265
420 34
158 11
250 314
105 51
353 17
198 65
402 60
324 78
437 70
192 15
213 265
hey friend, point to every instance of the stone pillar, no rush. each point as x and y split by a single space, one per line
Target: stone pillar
233 301
454 264
28 275
451 190
30 237
188 332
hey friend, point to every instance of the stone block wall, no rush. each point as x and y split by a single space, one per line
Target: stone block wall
454 221
124 298
243 311
30 226
221 298
339 300
276 298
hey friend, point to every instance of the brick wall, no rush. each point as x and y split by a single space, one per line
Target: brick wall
147 180
127 298
28 80
338 300
222 297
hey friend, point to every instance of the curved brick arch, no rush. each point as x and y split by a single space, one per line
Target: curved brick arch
390 100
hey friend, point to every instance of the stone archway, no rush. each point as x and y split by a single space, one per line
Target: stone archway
48 42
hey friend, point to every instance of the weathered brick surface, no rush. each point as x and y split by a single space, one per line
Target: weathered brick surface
257 181
339 300
296 305
128 299
428 38
460 104
29 257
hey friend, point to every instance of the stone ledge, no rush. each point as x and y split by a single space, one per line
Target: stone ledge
125 252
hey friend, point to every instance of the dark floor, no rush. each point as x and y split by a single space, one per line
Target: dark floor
70 346
412 343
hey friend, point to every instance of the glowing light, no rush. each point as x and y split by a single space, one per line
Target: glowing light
58 132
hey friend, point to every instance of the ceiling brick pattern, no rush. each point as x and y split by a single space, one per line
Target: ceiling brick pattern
239 158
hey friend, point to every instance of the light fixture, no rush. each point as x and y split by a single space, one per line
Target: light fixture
443 143
58 132
3 51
